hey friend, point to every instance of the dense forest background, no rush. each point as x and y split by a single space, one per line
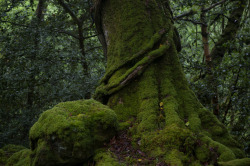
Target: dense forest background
50 53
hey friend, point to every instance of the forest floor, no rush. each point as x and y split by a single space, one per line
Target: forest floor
121 146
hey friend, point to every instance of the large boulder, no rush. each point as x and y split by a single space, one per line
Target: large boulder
69 133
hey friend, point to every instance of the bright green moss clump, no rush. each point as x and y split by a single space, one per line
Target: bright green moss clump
70 132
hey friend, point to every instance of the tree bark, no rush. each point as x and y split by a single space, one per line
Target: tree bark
229 32
79 23
145 85
219 50
41 6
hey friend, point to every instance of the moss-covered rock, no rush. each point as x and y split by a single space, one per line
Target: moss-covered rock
7 151
21 158
69 133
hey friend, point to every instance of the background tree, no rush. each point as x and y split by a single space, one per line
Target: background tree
42 63
227 23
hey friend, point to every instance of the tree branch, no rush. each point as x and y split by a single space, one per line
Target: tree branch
87 37
213 5
191 12
233 89
16 24
93 48
67 32
69 11
229 33
194 22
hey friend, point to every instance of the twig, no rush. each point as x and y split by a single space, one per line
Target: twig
191 12
194 22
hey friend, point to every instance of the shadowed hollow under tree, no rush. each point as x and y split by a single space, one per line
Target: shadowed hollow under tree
148 93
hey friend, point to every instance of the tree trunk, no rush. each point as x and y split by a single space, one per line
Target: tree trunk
41 6
211 81
78 21
219 50
145 84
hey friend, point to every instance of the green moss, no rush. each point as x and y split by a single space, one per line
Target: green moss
197 163
147 116
125 104
43 155
3 157
21 158
120 78
225 153
157 152
171 137
148 46
174 157
10 148
139 40
189 105
135 38
171 107
202 153
236 162
162 131
219 136
7 151
103 158
71 131
125 125
211 123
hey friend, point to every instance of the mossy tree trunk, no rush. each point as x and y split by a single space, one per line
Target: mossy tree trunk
145 85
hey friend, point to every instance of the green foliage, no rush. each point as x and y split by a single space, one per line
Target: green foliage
230 75
41 63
